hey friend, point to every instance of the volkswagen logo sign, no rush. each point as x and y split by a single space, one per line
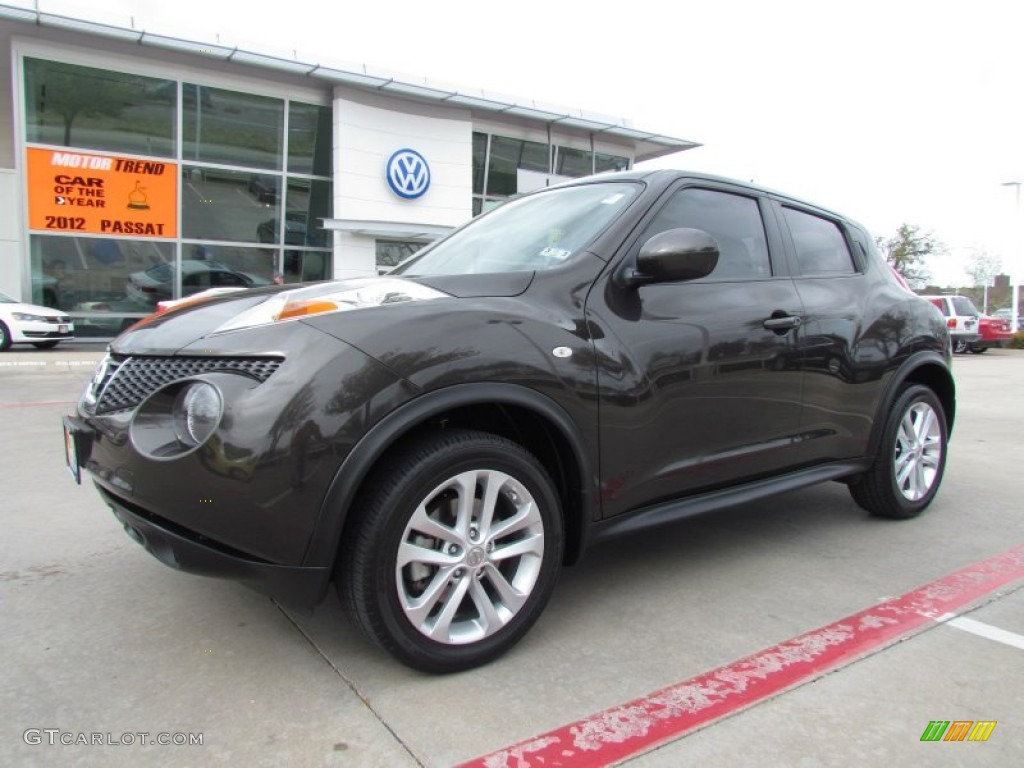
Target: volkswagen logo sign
408 174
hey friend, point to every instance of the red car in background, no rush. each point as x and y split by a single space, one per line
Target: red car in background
995 332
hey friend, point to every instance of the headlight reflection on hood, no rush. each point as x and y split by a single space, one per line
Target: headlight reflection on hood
360 293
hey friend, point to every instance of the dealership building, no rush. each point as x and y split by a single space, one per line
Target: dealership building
136 167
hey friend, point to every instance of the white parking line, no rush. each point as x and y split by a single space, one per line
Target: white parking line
982 629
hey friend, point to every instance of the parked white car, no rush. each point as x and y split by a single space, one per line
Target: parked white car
961 319
42 327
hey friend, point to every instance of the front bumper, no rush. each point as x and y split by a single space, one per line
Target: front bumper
28 331
293 586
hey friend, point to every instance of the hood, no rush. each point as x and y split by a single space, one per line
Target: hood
189 323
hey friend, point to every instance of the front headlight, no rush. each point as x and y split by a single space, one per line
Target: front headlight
360 293
27 318
176 420
196 411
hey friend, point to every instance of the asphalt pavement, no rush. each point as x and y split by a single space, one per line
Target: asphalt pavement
108 654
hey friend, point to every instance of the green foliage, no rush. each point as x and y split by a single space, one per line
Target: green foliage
1017 342
907 252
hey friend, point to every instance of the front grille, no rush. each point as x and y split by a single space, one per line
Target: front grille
128 380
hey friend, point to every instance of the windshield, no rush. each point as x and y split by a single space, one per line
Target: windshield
536 232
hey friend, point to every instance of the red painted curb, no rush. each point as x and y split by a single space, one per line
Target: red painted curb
667 714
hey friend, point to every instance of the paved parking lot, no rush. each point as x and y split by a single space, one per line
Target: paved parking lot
101 642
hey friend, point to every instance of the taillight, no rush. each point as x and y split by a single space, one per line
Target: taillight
951 323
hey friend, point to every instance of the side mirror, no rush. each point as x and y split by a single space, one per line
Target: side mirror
673 255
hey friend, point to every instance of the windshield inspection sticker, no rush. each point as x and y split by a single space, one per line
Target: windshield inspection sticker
612 199
556 253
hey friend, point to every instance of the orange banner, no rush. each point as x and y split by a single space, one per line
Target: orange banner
101 194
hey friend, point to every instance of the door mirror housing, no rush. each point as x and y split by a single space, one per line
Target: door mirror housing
674 255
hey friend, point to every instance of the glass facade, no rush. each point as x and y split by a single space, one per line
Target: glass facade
254 181
497 161
73 106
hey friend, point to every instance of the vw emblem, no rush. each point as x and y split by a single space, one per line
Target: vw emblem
408 174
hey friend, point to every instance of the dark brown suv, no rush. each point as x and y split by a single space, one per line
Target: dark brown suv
598 358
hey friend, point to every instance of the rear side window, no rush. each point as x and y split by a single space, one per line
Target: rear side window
733 220
964 306
941 305
820 246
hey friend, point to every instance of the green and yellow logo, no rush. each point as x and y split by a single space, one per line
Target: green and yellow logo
958 730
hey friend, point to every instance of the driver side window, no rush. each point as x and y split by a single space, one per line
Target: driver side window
733 220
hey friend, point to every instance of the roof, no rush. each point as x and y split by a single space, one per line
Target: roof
648 144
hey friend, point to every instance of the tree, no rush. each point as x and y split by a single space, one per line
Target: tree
69 93
907 252
983 267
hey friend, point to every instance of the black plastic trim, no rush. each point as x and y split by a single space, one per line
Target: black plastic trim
293 586
677 509
902 375
326 537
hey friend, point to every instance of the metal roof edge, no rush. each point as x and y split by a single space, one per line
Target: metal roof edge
531 111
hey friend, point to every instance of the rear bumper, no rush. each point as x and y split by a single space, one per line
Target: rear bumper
292 586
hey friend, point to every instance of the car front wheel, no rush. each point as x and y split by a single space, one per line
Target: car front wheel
454 552
911 457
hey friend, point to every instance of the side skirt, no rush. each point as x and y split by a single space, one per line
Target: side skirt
670 511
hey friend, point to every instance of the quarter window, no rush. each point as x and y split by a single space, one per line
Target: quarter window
820 246
733 220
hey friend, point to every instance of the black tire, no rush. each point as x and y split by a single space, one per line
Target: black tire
45 344
880 490
5 338
976 349
960 346
411 504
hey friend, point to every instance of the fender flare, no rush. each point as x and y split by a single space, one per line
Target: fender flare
326 538
906 372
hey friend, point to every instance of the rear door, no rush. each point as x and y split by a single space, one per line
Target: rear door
846 343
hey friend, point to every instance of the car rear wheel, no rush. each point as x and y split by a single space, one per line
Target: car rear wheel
454 552
976 349
911 457
960 346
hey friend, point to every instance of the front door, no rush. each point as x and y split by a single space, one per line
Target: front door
699 382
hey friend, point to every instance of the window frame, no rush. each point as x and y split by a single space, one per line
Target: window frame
777 260
857 259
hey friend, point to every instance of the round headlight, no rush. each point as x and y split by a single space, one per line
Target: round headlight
196 412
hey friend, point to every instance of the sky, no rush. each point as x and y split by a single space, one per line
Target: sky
890 112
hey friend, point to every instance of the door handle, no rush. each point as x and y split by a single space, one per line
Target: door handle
783 323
